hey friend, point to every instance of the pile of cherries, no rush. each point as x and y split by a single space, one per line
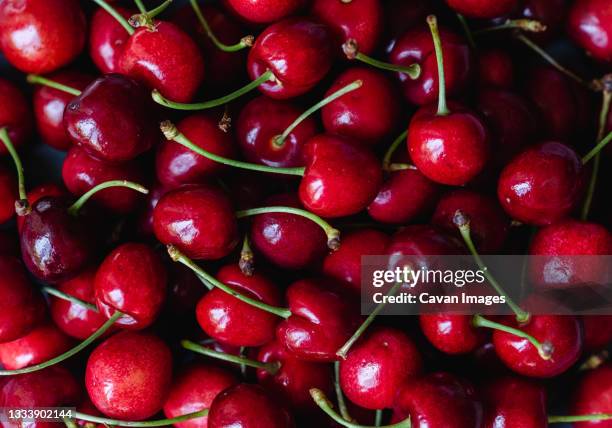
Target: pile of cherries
229 163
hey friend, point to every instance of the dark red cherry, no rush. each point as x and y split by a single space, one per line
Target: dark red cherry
40 37
377 366
15 115
452 333
233 322
128 375
597 332
263 119
176 164
403 197
73 319
335 164
49 106
423 240
289 241
198 220
38 192
322 320
166 59
39 345
400 15
592 395
247 406
107 39
113 119
369 113
194 389
542 184
590 27
552 13
299 53
495 68
483 9
145 218
514 402
185 291
360 20
131 279
8 194
264 11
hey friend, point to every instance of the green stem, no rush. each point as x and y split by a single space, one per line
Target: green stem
468 32
177 256
120 19
64 296
246 262
595 150
279 140
145 19
321 400
339 395
141 7
530 25
432 21
463 224
156 423
392 149
84 344
74 208
351 50
271 368
245 42
579 418
35 79
22 206
70 423
171 132
333 235
379 416
265 77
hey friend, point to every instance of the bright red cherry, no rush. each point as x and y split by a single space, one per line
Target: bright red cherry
592 396
8 194
107 39
40 37
113 119
198 220
495 68
452 333
15 115
590 25
483 9
295 70
39 345
264 11
542 184
514 402
128 375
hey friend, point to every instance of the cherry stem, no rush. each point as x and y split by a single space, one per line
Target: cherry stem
245 42
22 206
544 349
35 79
339 395
333 235
74 208
64 296
177 256
343 352
378 418
113 12
530 25
271 368
246 262
595 150
386 163
141 7
432 21
468 32
160 99
144 18
84 344
351 50
172 133
595 360
462 222
580 418
324 404
156 423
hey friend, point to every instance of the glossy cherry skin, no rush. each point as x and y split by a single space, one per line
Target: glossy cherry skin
49 106
81 172
416 46
261 120
24 308
403 197
247 406
298 51
483 9
452 333
113 119
334 164
552 13
233 322
176 164
592 395
293 381
377 366
8 194
514 402
194 389
54 244
590 26
39 345
489 224
131 279
199 220
40 37
344 264
369 113
73 319
360 20
107 39
287 240
264 11
15 114
542 184
49 189
128 375
495 69
597 332
450 149
166 59
322 320
438 400
423 240
563 333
